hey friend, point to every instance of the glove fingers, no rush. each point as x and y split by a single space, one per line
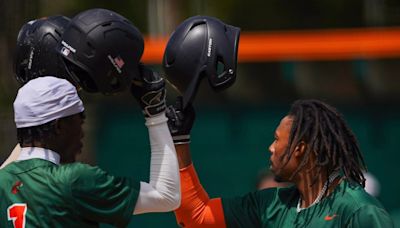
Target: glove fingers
179 103
171 113
147 74
149 91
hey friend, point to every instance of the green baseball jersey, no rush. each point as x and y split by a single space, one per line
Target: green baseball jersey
39 193
347 206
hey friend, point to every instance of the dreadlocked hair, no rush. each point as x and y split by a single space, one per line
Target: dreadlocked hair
29 135
326 135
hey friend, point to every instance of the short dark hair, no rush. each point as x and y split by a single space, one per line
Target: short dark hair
326 135
29 135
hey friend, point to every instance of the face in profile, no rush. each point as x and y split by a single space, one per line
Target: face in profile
280 165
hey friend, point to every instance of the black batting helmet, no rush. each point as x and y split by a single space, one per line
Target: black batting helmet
101 50
201 46
35 52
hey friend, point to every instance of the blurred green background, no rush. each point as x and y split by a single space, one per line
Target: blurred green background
235 127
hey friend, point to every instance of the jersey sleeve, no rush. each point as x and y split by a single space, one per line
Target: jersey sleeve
370 216
197 209
246 211
103 197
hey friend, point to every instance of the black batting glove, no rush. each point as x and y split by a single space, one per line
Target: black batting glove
149 91
180 122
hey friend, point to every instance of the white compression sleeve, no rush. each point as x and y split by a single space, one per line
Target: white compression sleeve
162 193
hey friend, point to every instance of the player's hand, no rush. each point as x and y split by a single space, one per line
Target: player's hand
149 91
180 122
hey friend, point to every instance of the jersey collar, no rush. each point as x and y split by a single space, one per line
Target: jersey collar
41 153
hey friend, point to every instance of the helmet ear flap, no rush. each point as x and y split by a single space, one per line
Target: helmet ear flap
80 77
217 80
224 74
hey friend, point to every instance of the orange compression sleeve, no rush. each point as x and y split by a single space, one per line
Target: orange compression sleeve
197 209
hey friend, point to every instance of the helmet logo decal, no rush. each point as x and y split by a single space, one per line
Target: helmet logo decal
68 47
65 51
117 62
210 43
31 58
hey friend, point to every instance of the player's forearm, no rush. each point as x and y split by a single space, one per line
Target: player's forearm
162 193
13 156
197 209
183 153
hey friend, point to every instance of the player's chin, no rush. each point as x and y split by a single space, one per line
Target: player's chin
277 173
272 167
278 178
274 170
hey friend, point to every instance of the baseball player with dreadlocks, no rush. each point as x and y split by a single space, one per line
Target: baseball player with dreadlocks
44 186
316 151
313 148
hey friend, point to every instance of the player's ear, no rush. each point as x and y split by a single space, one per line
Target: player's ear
300 149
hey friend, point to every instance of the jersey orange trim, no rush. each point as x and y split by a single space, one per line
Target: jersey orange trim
197 209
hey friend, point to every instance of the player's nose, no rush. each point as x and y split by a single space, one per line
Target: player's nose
271 148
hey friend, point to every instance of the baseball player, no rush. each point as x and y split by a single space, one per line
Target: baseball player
316 151
313 148
45 187
36 55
